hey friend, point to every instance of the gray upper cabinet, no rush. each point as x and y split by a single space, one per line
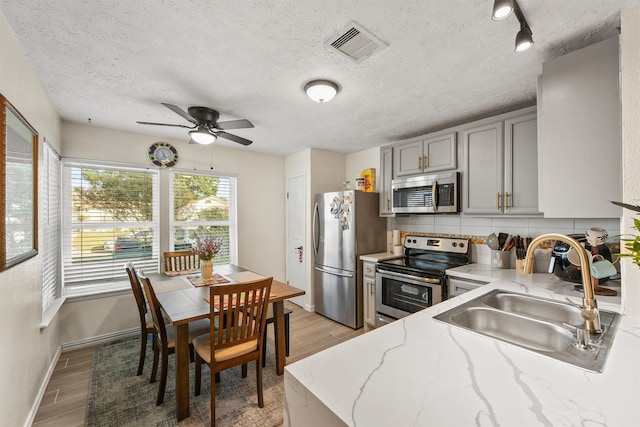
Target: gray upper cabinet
500 165
430 153
580 134
385 176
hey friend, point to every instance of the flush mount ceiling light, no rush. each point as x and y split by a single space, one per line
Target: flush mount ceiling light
504 8
321 90
202 135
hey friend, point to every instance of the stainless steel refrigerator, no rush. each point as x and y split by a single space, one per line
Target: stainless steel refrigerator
346 224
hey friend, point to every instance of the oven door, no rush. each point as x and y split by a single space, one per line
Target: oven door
399 295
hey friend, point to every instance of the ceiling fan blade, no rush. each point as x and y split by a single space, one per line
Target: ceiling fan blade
180 112
234 124
234 138
166 124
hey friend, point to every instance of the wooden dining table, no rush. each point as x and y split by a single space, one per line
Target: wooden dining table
184 303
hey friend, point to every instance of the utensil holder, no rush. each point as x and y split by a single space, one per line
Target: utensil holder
500 259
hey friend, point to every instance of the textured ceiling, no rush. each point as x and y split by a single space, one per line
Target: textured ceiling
115 61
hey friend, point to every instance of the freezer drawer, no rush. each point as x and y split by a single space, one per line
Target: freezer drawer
338 296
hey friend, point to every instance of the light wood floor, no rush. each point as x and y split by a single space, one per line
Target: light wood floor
65 399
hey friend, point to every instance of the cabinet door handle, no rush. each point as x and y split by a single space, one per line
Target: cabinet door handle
419 162
388 204
371 288
498 201
424 161
506 200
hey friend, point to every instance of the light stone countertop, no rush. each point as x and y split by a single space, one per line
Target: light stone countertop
380 256
418 371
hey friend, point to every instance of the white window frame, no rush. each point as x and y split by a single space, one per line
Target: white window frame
52 298
118 281
232 223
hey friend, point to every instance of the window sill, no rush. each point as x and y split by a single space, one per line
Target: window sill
50 312
76 295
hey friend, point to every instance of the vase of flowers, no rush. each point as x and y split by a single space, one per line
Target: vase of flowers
206 249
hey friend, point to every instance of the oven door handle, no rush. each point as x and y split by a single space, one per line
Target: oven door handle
409 277
333 272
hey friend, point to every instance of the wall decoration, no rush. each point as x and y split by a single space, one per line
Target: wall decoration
18 187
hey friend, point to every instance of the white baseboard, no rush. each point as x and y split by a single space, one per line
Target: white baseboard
310 308
43 388
101 339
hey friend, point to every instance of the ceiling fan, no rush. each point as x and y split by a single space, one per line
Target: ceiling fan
205 125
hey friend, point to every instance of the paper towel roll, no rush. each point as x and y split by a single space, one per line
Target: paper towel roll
398 249
396 237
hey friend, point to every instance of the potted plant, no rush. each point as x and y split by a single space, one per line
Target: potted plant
632 245
206 249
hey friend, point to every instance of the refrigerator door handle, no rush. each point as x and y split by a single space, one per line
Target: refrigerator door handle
333 272
316 232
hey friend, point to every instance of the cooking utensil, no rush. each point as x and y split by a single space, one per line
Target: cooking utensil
492 241
502 238
509 244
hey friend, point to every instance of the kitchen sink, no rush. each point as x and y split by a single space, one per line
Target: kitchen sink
540 325
520 330
538 308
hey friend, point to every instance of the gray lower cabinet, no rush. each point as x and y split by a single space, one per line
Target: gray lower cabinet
369 293
458 285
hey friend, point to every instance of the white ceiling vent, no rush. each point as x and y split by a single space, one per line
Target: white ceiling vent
355 42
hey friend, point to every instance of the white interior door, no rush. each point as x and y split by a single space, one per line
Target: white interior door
297 252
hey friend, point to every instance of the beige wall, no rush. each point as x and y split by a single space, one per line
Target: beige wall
261 213
630 70
27 352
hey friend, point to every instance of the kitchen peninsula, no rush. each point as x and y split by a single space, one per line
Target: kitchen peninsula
419 371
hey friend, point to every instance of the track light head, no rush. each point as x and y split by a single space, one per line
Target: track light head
502 9
524 39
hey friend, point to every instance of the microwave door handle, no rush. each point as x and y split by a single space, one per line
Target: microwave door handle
434 195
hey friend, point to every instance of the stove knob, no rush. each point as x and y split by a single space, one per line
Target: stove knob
454 244
462 245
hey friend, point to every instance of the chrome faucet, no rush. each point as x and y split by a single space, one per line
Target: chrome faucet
589 305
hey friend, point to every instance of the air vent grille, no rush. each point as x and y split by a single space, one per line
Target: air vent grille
355 43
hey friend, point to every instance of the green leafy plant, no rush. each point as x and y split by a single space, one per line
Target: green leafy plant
632 245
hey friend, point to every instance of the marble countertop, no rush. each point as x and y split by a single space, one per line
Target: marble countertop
419 371
486 273
380 256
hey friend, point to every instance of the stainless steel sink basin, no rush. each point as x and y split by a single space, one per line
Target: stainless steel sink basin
520 330
537 308
543 326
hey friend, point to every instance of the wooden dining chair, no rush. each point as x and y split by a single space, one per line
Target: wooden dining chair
240 311
165 341
271 320
181 261
146 320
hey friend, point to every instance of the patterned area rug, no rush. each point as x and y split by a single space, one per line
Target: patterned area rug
117 397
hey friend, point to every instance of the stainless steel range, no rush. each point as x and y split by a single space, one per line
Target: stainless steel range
417 281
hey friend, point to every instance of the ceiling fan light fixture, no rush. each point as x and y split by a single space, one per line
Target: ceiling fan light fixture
202 135
524 39
321 90
502 9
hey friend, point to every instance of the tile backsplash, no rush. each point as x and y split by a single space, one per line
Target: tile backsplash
481 227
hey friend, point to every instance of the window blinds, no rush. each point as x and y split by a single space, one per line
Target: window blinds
50 218
110 216
204 205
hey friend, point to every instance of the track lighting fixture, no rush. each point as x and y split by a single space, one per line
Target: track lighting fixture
504 8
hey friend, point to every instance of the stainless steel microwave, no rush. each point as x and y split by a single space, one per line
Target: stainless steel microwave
437 193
